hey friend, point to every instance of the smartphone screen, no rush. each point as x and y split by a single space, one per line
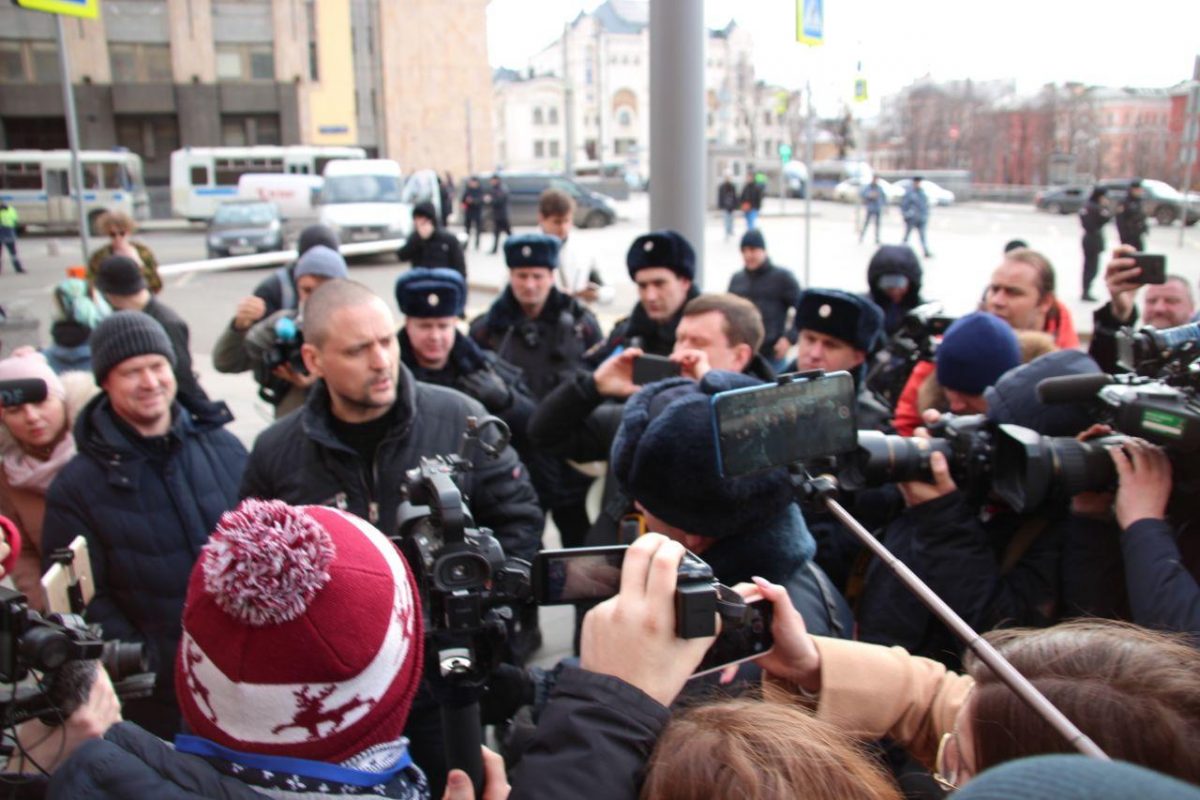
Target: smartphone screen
760 427
650 368
742 643
57 580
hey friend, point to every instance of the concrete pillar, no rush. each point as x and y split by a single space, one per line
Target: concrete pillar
677 187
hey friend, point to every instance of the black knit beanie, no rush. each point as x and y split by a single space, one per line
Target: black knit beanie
124 335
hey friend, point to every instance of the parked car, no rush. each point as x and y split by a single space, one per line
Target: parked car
240 227
796 176
592 209
850 191
1159 200
1062 200
936 194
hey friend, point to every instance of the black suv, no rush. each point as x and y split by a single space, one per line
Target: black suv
1161 202
592 209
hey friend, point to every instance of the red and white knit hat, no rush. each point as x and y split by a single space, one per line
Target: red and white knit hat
302 634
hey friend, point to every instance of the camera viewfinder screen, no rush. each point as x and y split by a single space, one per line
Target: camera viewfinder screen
774 425
574 578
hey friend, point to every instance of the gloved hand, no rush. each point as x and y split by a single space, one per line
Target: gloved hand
487 387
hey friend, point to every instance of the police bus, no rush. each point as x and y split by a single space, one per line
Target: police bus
203 177
39 185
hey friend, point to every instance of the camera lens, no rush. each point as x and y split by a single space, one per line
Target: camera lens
1030 467
122 659
461 570
44 648
881 458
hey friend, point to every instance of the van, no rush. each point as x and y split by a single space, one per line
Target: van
592 209
362 200
292 194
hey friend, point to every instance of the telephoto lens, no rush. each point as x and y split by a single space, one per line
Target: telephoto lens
885 458
1029 468
124 659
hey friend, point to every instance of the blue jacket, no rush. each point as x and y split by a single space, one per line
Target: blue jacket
1163 592
914 206
145 511
873 197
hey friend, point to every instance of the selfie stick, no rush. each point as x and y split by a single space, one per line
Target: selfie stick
980 646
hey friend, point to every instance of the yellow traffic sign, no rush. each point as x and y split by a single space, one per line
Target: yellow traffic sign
860 89
810 22
88 9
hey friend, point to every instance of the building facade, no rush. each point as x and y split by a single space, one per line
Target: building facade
156 75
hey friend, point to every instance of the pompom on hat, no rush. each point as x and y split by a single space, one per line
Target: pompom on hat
302 635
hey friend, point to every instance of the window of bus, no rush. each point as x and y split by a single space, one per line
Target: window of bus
20 175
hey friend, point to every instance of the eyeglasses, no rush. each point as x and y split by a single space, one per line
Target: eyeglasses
947 767
115 234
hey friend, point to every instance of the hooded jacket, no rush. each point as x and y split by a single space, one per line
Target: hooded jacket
894 259
441 249
145 508
27 507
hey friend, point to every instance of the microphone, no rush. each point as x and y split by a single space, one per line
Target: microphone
1071 388
21 391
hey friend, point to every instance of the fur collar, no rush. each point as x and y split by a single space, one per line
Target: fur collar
774 552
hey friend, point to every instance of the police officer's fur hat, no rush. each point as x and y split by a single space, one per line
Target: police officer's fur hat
532 250
431 292
664 456
842 315
662 249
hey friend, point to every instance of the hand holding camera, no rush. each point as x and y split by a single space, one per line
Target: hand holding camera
794 658
632 636
918 492
1144 482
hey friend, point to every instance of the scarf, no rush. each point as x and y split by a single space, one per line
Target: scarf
25 471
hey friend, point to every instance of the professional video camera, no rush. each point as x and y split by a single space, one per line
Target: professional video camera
915 340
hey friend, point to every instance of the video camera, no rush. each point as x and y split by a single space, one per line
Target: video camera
915 340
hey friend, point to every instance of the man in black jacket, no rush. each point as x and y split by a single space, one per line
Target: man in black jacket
472 203
368 421
431 246
120 280
663 265
894 279
774 291
149 482
431 301
544 333
1131 217
497 200
727 201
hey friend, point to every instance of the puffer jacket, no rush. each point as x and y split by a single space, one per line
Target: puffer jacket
26 507
145 509
299 459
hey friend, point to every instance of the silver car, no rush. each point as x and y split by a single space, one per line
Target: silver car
240 227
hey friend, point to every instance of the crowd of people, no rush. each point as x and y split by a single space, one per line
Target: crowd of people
288 636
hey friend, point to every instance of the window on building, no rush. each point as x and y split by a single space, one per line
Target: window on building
624 118
554 148
12 62
140 63
245 62
240 130
314 73
537 115
539 148
44 58
623 147
766 117
552 115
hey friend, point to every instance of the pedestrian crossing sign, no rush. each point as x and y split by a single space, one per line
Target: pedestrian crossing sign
88 9
810 22
860 89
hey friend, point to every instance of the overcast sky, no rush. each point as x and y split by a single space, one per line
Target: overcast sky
1107 42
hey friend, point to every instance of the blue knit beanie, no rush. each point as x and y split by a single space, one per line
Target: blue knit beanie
665 457
975 352
1073 777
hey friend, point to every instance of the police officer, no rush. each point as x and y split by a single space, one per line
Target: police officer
8 234
431 300
1131 217
497 200
663 265
544 333
472 203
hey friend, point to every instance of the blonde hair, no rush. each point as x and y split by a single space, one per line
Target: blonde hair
758 750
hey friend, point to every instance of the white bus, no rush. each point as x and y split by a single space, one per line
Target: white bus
202 177
38 184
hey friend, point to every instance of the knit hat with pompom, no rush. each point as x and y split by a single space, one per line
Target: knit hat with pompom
302 635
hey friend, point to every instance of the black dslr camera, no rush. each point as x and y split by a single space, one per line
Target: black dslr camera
915 340
285 347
